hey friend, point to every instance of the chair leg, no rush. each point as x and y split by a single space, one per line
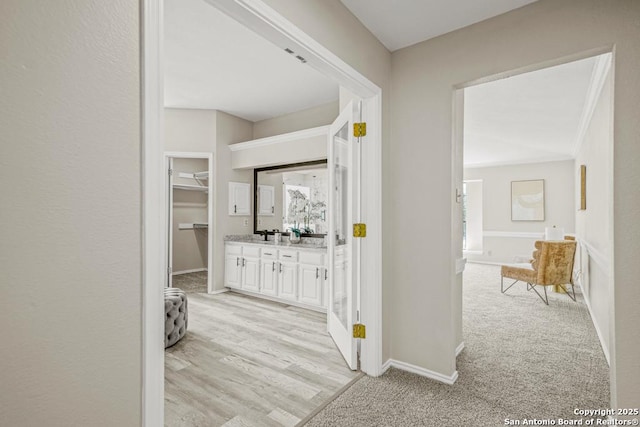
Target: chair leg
502 289
573 289
546 298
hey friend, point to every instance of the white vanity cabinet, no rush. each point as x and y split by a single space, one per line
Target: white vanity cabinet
239 198
288 286
311 267
269 272
233 266
292 275
251 268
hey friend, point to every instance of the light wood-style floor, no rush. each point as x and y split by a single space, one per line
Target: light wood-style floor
250 362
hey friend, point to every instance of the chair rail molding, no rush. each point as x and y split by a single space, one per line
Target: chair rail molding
513 234
596 255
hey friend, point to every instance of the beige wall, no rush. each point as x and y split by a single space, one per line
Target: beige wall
310 118
71 242
593 225
559 206
423 77
229 130
189 130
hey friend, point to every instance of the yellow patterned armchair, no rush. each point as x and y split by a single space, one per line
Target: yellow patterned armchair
552 265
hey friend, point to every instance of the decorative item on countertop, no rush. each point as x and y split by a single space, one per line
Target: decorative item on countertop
294 235
277 236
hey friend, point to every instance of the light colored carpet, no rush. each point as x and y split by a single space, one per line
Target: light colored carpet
522 359
191 282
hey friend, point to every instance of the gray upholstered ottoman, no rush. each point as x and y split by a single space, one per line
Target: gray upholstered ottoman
176 315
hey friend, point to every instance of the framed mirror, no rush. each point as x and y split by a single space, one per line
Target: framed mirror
291 197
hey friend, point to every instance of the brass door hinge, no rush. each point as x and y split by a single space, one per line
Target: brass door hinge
359 330
359 230
359 129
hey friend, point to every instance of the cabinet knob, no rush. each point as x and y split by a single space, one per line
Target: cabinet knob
273 267
317 272
326 274
280 270
244 262
237 261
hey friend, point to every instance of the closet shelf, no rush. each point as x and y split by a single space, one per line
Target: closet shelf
192 225
190 187
201 176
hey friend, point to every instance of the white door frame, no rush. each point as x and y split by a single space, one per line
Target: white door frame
264 20
210 210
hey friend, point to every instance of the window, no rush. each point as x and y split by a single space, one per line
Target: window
472 222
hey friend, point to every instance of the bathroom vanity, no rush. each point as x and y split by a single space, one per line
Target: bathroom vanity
294 274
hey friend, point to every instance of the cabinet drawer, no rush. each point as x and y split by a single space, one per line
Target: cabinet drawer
251 252
269 253
314 258
233 249
291 256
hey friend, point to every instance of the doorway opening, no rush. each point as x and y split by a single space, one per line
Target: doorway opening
285 35
189 196
539 128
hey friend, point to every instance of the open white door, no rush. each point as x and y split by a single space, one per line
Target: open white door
344 254
169 271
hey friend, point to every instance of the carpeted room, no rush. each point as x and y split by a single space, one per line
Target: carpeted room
522 359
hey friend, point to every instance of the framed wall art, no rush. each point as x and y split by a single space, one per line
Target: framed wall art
527 200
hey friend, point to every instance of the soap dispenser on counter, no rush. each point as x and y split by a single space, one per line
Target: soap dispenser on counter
277 236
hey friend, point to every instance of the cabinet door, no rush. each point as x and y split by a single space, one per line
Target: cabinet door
239 198
310 284
251 274
288 281
266 200
269 277
232 271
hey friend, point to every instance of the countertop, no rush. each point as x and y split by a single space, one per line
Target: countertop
253 241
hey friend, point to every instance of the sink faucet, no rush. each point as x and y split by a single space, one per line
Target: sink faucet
266 235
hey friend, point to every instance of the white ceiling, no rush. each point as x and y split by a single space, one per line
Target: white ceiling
531 117
213 62
398 24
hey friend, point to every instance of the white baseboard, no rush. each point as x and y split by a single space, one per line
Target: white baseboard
219 291
403 366
473 261
195 270
460 348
